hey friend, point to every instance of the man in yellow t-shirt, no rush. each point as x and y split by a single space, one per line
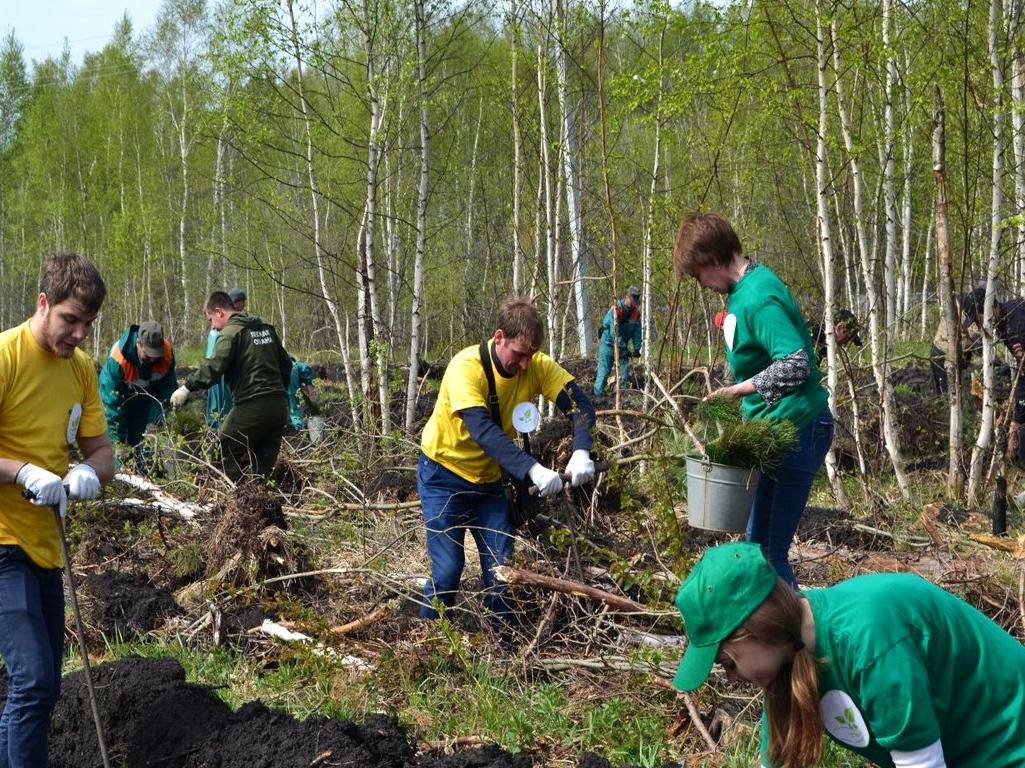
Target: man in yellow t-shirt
464 451
49 399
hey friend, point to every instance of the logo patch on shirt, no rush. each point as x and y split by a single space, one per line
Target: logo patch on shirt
526 417
729 329
843 720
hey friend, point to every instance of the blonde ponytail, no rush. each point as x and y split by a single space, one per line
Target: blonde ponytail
792 699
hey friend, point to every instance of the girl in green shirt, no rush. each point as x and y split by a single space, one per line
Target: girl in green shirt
889 665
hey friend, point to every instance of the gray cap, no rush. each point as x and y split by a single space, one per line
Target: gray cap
151 336
634 292
236 295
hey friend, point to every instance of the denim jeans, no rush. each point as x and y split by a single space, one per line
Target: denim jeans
32 646
451 506
782 494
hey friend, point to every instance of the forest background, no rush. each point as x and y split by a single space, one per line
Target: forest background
377 175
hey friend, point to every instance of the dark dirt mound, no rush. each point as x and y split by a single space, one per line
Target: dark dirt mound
127 691
256 736
125 604
236 622
153 717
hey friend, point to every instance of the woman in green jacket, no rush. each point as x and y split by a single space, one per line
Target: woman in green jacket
773 361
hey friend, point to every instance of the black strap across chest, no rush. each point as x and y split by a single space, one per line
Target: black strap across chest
493 403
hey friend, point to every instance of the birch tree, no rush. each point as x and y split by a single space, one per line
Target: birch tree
984 440
825 238
179 42
421 213
876 308
945 288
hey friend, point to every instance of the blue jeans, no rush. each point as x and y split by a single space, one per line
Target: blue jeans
451 506
783 492
32 646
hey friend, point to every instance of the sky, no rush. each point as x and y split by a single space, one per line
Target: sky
42 25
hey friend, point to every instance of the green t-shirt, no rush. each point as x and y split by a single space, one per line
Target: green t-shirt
904 664
764 325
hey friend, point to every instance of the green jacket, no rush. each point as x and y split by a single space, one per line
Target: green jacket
249 356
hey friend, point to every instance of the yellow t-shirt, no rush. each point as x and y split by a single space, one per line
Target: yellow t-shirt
37 393
446 439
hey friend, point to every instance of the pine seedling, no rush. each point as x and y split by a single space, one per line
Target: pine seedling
757 443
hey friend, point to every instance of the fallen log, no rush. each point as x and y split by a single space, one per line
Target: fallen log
625 604
162 501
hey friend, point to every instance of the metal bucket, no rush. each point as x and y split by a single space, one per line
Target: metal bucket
719 496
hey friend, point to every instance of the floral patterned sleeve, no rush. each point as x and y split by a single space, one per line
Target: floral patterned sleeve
782 376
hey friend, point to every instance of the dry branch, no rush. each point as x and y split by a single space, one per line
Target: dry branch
679 412
363 621
1015 547
519 576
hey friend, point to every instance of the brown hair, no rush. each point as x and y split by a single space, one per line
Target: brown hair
792 699
704 240
519 318
220 300
68 275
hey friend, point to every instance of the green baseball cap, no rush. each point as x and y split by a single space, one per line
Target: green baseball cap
721 591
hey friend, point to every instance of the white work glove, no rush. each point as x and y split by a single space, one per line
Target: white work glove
47 489
547 482
82 482
180 396
580 468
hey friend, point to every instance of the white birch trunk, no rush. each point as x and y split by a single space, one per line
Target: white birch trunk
923 320
649 223
318 253
906 228
572 184
517 276
826 249
984 440
889 198
549 203
877 330
945 289
421 215
367 312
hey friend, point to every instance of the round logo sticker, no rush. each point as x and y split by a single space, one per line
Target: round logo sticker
526 417
843 720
